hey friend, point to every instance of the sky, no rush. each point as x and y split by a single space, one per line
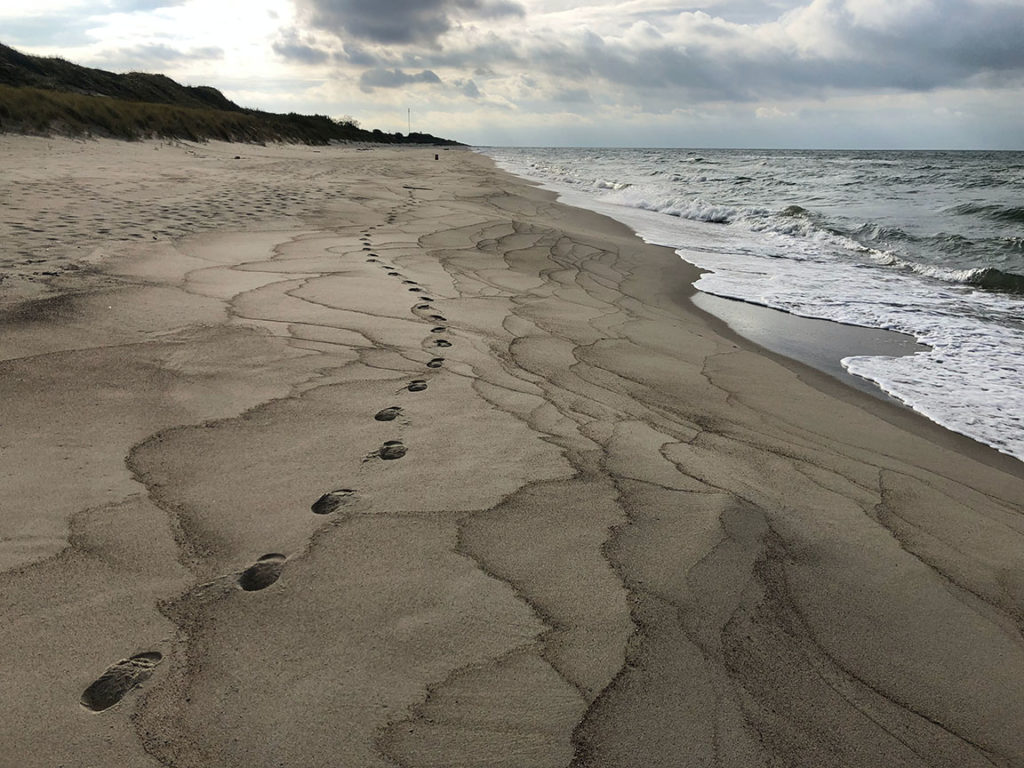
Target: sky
873 74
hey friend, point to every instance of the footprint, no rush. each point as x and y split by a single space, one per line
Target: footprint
367 248
120 678
409 282
439 318
391 450
417 385
372 261
421 306
390 413
437 362
332 500
439 329
442 343
394 274
425 298
416 290
262 574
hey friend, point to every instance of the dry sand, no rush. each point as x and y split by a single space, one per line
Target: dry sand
562 517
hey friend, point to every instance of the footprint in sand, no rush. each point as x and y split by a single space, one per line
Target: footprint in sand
390 413
442 343
437 362
417 385
409 282
120 678
439 329
367 248
389 451
438 318
372 260
332 500
416 290
262 573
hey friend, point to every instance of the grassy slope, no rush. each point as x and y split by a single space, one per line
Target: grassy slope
49 95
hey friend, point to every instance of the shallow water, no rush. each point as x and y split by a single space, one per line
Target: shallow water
926 243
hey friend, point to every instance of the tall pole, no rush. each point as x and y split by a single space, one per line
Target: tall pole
409 116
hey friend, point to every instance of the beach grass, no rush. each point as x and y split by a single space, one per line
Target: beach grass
41 111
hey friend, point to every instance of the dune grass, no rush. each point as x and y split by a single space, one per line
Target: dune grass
44 112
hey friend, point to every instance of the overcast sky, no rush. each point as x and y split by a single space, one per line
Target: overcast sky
712 73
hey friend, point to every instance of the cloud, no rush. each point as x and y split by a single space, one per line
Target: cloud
814 50
63 30
468 89
130 6
394 78
400 21
150 58
294 46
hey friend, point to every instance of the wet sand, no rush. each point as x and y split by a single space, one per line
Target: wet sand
354 457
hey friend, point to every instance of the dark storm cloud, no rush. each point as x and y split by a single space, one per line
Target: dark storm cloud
400 21
394 78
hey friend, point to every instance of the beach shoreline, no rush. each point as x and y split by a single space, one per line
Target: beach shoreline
328 456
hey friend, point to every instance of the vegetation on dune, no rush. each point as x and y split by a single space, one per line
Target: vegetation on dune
50 95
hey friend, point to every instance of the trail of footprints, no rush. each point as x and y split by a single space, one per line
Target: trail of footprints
123 676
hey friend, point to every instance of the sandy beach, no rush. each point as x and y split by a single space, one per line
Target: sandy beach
353 457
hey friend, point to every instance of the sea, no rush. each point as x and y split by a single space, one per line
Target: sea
926 243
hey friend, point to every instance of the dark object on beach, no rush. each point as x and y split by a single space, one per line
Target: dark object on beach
436 156
417 386
390 413
391 450
332 500
119 678
263 573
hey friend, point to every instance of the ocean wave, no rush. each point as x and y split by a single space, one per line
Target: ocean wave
694 209
993 279
1012 215
985 278
612 185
